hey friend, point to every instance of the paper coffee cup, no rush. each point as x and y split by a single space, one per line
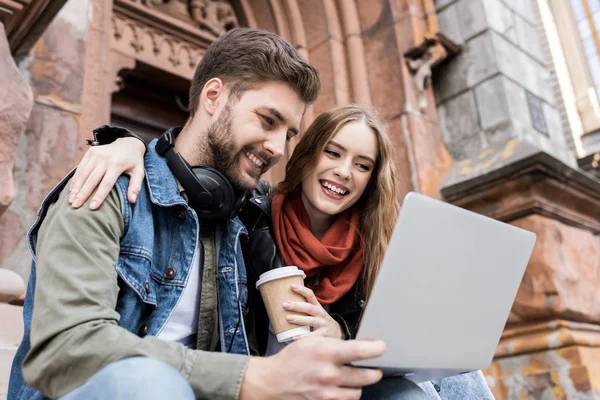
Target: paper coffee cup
275 288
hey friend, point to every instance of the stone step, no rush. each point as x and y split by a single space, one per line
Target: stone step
6 357
11 285
11 332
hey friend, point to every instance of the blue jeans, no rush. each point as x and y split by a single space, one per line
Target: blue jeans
394 388
471 386
134 378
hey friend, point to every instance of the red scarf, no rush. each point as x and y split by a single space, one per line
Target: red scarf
337 258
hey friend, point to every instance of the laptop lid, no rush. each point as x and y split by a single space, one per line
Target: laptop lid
444 290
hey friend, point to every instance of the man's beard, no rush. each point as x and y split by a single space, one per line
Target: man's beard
221 144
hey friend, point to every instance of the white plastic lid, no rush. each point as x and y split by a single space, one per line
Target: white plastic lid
286 336
279 273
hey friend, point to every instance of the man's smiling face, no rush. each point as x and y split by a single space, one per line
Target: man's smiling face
249 135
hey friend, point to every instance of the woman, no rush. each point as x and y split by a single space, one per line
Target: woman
332 216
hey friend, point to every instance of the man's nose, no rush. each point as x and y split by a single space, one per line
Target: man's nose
275 144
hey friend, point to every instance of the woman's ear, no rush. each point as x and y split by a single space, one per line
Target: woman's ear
212 95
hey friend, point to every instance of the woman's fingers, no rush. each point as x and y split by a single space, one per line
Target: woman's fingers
107 184
135 183
302 320
304 308
85 167
308 294
94 178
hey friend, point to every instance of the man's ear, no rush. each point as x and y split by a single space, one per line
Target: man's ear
212 95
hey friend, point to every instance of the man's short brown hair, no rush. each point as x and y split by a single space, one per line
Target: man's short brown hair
244 58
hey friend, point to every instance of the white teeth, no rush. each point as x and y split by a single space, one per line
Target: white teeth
333 188
254 159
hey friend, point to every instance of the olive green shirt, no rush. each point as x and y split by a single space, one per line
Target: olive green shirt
74 328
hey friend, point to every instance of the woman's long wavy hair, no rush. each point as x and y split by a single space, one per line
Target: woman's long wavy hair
379 204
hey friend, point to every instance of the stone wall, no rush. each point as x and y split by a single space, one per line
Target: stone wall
498 87
50 145
499 120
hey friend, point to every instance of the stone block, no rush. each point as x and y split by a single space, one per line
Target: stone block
481 63
11 333
559 373
11 285
516 101
522 68
449 23
471 18
11 326
554 124
491 102
528 38
459 126
520 116
524 8
6 358
476 63
499 18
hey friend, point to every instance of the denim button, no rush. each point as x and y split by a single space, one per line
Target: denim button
181 215
147 286
361 303
143 331
170 273
436 387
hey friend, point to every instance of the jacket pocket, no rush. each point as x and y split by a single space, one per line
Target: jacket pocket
134 269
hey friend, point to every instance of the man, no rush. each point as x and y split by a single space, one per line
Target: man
147 300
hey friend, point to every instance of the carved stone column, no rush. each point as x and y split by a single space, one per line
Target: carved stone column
14 113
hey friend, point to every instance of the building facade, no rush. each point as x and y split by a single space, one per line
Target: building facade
491 104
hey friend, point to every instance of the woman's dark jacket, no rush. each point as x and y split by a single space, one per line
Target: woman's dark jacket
261 254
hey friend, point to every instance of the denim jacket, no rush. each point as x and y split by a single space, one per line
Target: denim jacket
160 237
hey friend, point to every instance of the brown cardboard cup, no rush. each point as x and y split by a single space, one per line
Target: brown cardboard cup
275 288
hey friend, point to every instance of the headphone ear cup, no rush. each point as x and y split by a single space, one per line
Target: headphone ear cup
223 194
209 191
201 197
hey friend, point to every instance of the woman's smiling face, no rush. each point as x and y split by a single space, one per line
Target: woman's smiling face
342 172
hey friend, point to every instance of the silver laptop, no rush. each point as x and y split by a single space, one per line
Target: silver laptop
444 290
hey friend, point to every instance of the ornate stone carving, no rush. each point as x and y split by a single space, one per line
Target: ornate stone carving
216 16
151 31
421 59
156 47
218 13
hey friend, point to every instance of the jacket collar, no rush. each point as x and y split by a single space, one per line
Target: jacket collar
162 184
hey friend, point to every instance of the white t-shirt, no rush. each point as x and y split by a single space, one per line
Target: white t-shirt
182 325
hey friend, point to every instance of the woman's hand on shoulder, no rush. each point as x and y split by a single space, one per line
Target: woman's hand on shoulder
100 168
316 317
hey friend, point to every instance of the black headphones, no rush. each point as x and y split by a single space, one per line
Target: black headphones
209 192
